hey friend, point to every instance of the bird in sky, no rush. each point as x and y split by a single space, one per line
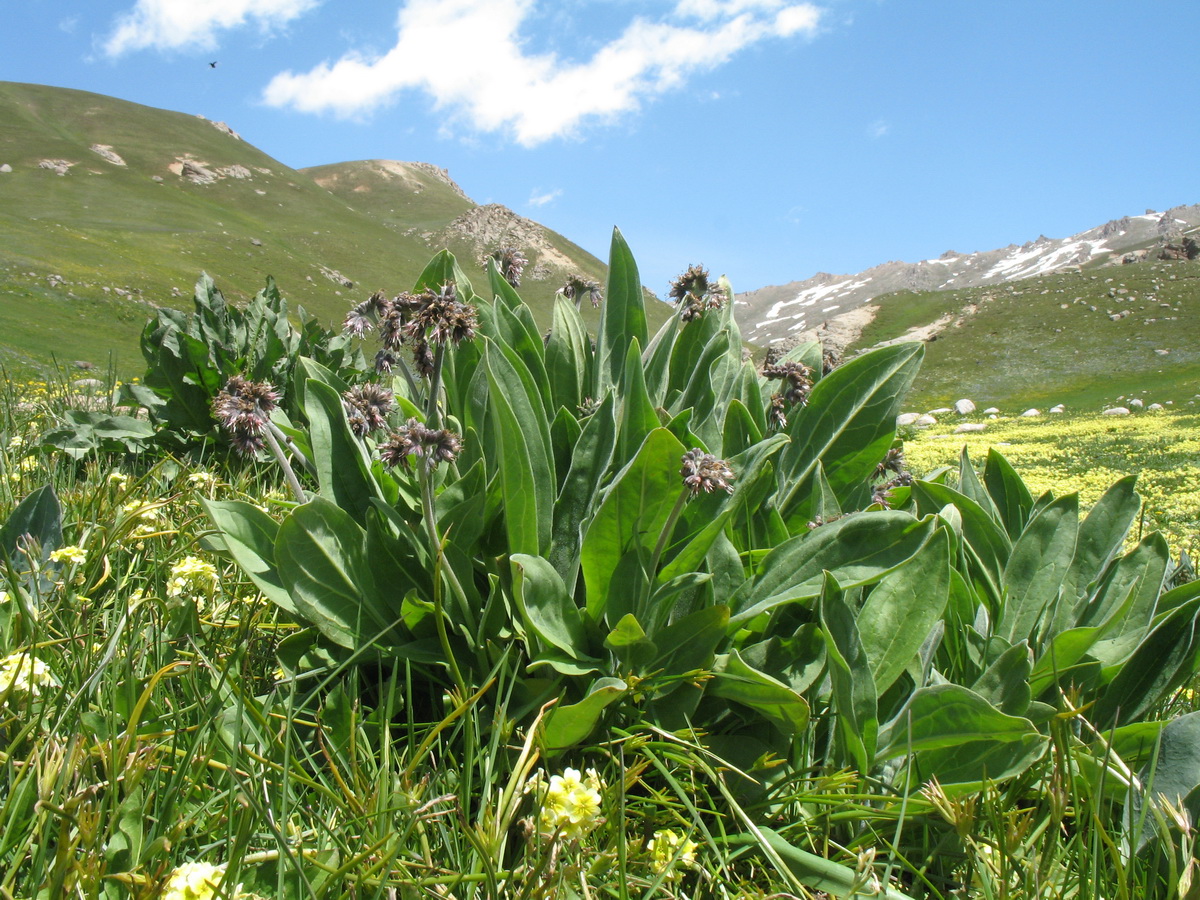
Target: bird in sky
212 65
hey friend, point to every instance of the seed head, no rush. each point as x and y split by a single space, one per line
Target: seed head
578 287
510 261
367 407
366 315
696 293
415 439
443 317
704 472
797 376
243 408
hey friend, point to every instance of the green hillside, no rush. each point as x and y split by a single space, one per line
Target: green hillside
1054 339
87 254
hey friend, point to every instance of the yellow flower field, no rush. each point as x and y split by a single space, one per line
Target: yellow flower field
1087 453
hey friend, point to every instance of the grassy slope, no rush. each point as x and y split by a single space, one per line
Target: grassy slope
115 227
1038 342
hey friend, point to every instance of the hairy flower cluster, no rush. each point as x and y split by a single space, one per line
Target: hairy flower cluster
193 577
367 408
668 849
578 287
893 461
420 319
511 262
704 472
569 803
434 445
797 378
22 675
243 409
695 293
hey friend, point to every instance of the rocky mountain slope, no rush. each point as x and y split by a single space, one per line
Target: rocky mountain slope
830 306
108 208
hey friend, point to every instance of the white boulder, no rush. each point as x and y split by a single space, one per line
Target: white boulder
925 421
1030 413
967 427
1136 403
1117 411
907 419
964 407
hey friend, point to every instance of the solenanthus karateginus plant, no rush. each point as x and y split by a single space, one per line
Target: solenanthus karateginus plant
651 526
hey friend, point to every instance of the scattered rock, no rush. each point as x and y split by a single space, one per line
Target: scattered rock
992 410
925 421
87 384
940 411
222 127
157 178
335 276
256 242
106 152
964 407
196 172
5 169
1162 352
1117 411
1058 409
1030 413
235 171
57 166
967 427
1154 406
907 419
84 365
1136 403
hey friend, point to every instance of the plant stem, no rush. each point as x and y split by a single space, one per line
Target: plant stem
432 414
292 480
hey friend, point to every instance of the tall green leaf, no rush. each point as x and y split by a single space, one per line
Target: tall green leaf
622 318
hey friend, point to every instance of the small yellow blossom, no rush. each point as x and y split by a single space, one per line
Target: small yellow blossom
570 802
24 675
72 554
118 479
193 881
667 849
202 479
192 577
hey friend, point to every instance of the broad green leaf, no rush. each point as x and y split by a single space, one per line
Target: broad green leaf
443 269
903 608
969 765
1172 778
39 516
249 535
854 698
1167 657
1008 492
970 486
656 360
566 726
568 355
320 553
638 417
343 467
622 317
632 517
581 487
814 871
948 715
856 550
849 422
740 432
1038 565
989 541
523 457
547 608
688 644
736 680
1005 683
518 332
1103 531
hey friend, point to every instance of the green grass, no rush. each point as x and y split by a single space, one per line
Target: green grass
1039 342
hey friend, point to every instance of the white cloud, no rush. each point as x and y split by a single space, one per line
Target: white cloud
879 128
536 199
173 24
469 57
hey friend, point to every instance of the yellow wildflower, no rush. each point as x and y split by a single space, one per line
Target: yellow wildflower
193 577
72 554
570 803
193 881
24 675
667 848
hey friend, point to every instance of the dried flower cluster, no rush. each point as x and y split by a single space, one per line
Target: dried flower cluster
892 462
511 262
704 472
569 803
367 408
578 287
416 439
416 319
243 409
695 293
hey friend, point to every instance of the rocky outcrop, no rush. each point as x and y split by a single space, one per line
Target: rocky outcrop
1186 249
493 226
57 166
106 153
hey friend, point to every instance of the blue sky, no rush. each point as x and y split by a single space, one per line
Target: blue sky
766 139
